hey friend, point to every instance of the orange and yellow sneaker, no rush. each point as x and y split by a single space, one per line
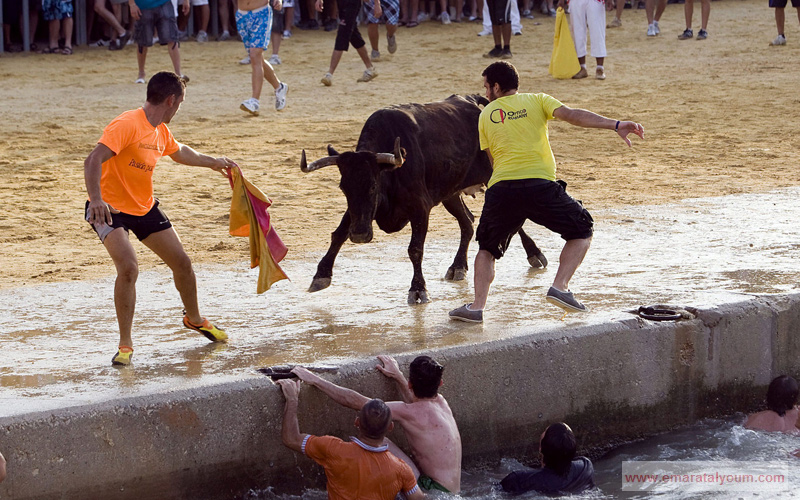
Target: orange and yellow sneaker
210 331
123 356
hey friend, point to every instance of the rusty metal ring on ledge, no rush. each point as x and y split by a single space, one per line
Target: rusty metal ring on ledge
658 314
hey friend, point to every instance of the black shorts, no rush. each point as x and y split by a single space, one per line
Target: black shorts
142 225
508 204
780 4
347 34
277 21
12 10
499 11
162 18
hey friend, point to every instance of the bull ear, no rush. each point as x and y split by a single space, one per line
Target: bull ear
331 151
316 165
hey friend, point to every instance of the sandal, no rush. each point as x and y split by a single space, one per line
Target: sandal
51 50
67 51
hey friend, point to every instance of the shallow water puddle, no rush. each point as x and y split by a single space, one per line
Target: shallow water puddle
59 338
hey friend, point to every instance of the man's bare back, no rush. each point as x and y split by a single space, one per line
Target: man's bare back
429 426
433 436
770 421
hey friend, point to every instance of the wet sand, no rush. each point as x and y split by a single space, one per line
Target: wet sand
712 112
688 254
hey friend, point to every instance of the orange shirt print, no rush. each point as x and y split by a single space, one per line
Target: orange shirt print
127 180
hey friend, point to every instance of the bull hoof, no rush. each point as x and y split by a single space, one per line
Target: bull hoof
319 284
538 261
418 297
455 274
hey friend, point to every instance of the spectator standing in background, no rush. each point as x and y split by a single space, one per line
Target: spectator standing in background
780 18
225 19
688 10
254 23
391 12
279 31
12 11
654 12
59 15
151 15
119 36
347 35
588 17
516 24
499 11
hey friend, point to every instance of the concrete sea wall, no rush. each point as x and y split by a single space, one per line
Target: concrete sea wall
612 383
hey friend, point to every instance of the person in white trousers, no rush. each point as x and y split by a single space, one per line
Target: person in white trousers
591 14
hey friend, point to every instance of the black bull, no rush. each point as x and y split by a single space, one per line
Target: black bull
440 158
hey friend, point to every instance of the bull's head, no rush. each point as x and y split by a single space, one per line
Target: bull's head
361 175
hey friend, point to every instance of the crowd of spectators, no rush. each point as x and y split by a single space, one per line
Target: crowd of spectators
109 22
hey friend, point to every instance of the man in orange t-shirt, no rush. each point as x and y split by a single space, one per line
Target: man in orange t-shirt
361 469
119 181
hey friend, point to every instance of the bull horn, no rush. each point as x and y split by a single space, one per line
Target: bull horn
397 158
316 165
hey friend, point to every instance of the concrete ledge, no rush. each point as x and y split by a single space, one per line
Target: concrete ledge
612 383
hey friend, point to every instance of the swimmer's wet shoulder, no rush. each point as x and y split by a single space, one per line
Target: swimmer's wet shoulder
579 477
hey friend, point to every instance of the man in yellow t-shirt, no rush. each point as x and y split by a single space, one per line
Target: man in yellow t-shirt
361 469
119 181
513 131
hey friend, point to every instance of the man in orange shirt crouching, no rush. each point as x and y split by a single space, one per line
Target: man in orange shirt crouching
361 469
119 181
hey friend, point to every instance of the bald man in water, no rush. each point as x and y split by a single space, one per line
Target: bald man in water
426 418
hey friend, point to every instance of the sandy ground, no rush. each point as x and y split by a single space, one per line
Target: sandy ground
715 114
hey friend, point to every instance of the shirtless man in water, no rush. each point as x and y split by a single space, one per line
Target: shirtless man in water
424 414
782 415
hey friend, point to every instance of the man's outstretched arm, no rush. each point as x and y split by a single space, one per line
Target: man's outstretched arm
342 395
587 119
290 431
188 156
391 369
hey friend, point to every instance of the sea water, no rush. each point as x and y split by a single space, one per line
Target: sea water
722 442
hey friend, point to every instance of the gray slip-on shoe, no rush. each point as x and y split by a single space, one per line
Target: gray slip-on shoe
468 315
564 300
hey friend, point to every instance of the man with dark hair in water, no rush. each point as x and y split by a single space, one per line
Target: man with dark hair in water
782 415
561 472
425 376
361 468
426 418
